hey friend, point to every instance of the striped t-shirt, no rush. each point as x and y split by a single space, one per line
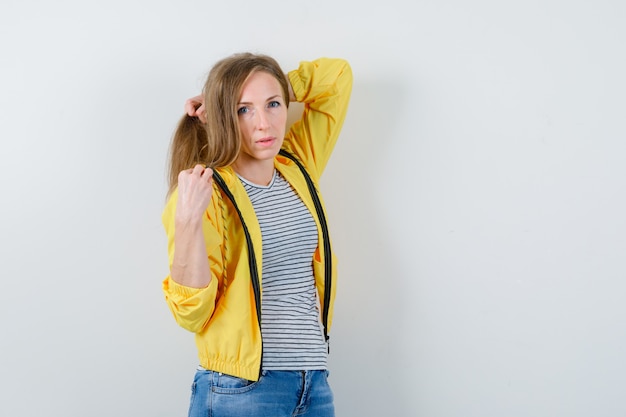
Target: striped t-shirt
290 324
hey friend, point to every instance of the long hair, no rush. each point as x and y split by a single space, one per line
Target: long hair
217 143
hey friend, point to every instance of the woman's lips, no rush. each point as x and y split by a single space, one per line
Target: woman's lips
266 141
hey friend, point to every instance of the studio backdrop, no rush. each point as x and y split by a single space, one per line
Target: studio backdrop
476 199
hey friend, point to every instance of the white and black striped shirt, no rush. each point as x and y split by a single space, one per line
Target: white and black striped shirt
290 323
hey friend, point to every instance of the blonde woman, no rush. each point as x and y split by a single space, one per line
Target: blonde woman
252 272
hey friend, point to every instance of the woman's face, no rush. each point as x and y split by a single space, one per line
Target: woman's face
262 114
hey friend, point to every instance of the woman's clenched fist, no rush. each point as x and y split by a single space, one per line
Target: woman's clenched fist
195 187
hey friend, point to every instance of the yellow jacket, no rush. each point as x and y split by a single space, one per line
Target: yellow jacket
223 315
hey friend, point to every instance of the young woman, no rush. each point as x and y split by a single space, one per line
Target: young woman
251 268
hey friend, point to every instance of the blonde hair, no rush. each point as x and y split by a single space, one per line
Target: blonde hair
217 143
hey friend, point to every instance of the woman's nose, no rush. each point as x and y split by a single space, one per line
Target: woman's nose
262 120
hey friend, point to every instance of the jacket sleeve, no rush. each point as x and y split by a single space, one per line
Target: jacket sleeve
193 307
324 86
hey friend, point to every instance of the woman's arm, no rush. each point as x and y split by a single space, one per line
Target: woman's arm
194 249
190 265
324 86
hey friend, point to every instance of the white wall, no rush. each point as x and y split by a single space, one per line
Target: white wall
476 199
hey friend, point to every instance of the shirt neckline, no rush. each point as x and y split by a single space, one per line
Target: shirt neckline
262 187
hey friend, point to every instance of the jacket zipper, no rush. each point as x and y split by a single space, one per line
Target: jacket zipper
254 272
326 237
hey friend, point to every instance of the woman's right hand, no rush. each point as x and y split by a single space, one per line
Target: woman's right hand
195 188
194 107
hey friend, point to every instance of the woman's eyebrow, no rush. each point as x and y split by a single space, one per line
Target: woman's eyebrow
267 99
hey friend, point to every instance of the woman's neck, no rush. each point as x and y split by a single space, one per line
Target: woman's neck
254 170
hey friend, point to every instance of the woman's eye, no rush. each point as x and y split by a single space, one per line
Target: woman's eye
274 104
243 110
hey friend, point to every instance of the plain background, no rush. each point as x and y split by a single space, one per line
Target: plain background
476 199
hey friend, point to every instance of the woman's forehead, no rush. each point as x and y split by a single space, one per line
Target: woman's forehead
260 84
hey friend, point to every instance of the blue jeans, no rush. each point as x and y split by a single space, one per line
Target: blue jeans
275 394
